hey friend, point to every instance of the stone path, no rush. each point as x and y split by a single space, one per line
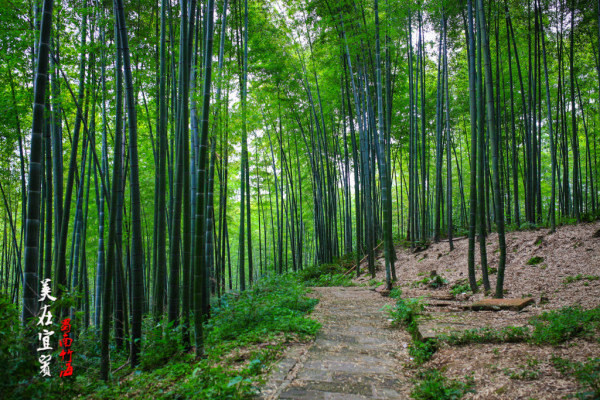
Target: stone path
356 355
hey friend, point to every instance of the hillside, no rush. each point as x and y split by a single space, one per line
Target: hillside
432 345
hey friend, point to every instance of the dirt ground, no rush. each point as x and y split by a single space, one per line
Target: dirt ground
511 371
354 319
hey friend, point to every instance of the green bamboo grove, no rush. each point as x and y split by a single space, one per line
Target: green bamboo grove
156 155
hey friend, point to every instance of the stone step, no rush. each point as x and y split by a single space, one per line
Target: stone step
429 331
501 304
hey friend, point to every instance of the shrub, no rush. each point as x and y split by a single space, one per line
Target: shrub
527 226
313 272
421 352
461 287
325 275
586 373
433 385
15 358
331 280
557 326
274 304
158 348
406 311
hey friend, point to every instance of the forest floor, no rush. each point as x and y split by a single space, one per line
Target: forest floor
359 353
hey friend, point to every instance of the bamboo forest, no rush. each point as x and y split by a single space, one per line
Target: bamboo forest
303 199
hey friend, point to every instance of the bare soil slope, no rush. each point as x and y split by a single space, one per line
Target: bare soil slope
359 355
568 263
570 251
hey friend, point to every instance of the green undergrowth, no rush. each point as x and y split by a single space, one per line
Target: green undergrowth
560 221
333 274
406 313
557 326
435 282
587 374
509 334
420 352
246 333
373 282
529 371
580 277
460 287
535 260
550 328
431 384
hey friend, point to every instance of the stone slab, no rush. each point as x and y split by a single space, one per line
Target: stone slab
358 388
301 394
349 367
382 290
311 374
440 304
441 296
502 304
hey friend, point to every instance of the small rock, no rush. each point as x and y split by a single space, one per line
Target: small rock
463 297
380 289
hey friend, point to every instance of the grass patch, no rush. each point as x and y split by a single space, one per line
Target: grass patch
535 260
315 271
159 348
579 277
325 275
552 327
331 280
509 334
461 287
524 372
433 385
435 282
586 373
557 326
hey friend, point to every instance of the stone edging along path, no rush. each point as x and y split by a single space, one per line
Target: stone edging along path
357 354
